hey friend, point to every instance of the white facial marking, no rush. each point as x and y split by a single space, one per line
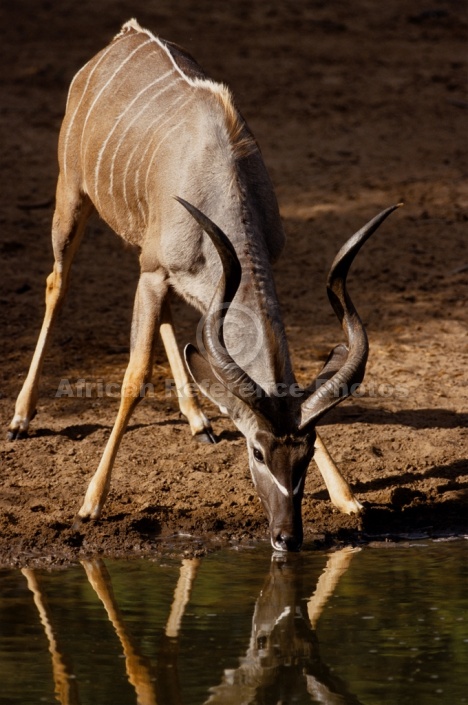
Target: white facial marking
279 485
298 486
266 471
284 613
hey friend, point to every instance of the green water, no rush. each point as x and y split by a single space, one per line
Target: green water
374 626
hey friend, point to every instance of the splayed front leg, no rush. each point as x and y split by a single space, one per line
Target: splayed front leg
340 492
152 288
67 229
25 408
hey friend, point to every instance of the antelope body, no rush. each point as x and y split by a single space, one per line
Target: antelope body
162 154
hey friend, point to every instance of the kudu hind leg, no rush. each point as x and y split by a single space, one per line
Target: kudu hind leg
69 222
340 492
187 396
150 295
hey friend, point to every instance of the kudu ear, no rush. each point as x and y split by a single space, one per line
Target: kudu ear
209 384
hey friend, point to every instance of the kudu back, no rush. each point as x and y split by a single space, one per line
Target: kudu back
163 155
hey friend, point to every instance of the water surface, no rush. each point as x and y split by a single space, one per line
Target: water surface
373 626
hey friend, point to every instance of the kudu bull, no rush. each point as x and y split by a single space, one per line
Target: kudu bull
146 136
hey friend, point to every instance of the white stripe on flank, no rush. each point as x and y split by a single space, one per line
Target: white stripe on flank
163 139
174 127
106 85
152 124
74 79
137 171
116 124
156 95
70 124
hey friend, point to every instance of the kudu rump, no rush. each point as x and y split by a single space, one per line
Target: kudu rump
160 151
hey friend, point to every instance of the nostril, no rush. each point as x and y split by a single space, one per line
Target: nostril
286 542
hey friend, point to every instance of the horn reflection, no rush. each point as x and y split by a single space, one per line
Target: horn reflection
281 662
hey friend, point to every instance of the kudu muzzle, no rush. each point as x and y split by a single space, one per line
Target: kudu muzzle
285 520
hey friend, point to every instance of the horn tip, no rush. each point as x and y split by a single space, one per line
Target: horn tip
182 201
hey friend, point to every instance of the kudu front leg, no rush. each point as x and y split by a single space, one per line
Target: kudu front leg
187 396
151 291
340 492
67 229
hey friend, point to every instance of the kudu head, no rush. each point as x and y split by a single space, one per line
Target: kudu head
279 427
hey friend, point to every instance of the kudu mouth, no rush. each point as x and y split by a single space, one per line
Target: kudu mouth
341 375
285 541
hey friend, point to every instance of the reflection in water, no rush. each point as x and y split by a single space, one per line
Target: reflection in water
282 663
65 687
282 660
138 668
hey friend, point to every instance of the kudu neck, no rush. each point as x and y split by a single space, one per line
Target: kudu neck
254 330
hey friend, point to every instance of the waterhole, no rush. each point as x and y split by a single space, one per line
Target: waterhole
383 624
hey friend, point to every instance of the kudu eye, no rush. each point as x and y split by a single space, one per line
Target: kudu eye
258 455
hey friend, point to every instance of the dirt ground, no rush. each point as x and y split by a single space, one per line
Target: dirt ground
356 106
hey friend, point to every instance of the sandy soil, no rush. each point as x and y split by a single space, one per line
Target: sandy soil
356 106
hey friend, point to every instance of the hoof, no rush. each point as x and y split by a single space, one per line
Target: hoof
205 437
16 434
350 506
355 507
78 522
19 426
